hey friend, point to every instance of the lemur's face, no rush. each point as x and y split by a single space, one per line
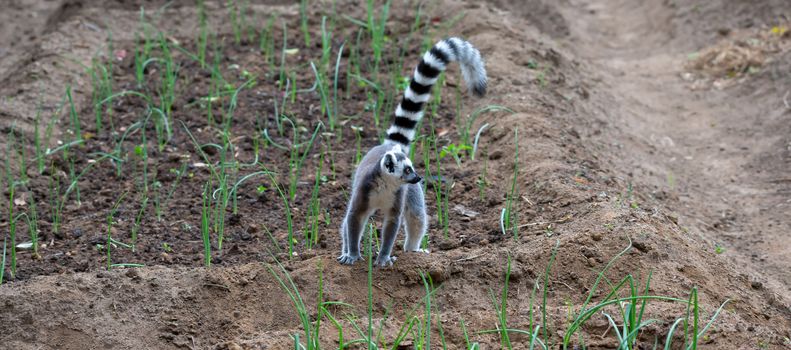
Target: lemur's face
397 165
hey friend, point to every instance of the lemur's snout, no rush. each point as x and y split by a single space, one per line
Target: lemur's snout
415 179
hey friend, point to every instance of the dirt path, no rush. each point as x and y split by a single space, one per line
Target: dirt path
722 154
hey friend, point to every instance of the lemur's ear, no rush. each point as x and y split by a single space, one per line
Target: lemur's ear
389 163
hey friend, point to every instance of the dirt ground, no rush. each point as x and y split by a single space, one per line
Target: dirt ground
663 123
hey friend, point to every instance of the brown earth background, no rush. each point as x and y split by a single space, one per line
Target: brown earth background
661 123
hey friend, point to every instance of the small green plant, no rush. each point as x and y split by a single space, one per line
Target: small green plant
102 88
267 40
502 308
631 316
421 329
39 148
160 203
31 217
376 28
138 221
11 189
110 241
223 174
236 22
508 218
468 344
465 131
76 129
289 218
456 151
167 94
719 249
533 327
358 154
2 266
303 20
282 71
58 200
205 226
310 326
325 98
203 33
73 175
482 181
297 160
335 90
143 54
314 208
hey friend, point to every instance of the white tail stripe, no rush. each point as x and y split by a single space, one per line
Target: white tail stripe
445 48
423 80
410 94
433 61
409 133
400 112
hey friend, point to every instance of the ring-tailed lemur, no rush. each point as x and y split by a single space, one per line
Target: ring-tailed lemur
385 179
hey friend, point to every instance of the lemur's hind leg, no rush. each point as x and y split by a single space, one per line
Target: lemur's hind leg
416 219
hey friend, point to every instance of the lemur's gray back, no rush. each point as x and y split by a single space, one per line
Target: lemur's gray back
368 169
410 110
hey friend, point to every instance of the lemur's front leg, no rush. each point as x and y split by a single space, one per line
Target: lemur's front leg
351 230
392 222
389 232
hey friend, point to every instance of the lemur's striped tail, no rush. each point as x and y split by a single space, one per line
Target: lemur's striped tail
410 110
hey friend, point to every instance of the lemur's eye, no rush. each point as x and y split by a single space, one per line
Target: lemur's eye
408 171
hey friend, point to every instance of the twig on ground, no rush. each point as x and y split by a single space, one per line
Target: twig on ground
468 258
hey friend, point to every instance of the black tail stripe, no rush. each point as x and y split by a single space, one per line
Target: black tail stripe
398 137
426 70
405 122
411 106
419 88
440 55
453 48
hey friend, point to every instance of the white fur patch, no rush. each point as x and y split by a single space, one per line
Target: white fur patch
431 60
445 48
400 112
410 94
409 133
462 47
423 80
398 146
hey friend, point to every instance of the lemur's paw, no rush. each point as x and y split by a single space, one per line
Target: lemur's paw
348 259
385 261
